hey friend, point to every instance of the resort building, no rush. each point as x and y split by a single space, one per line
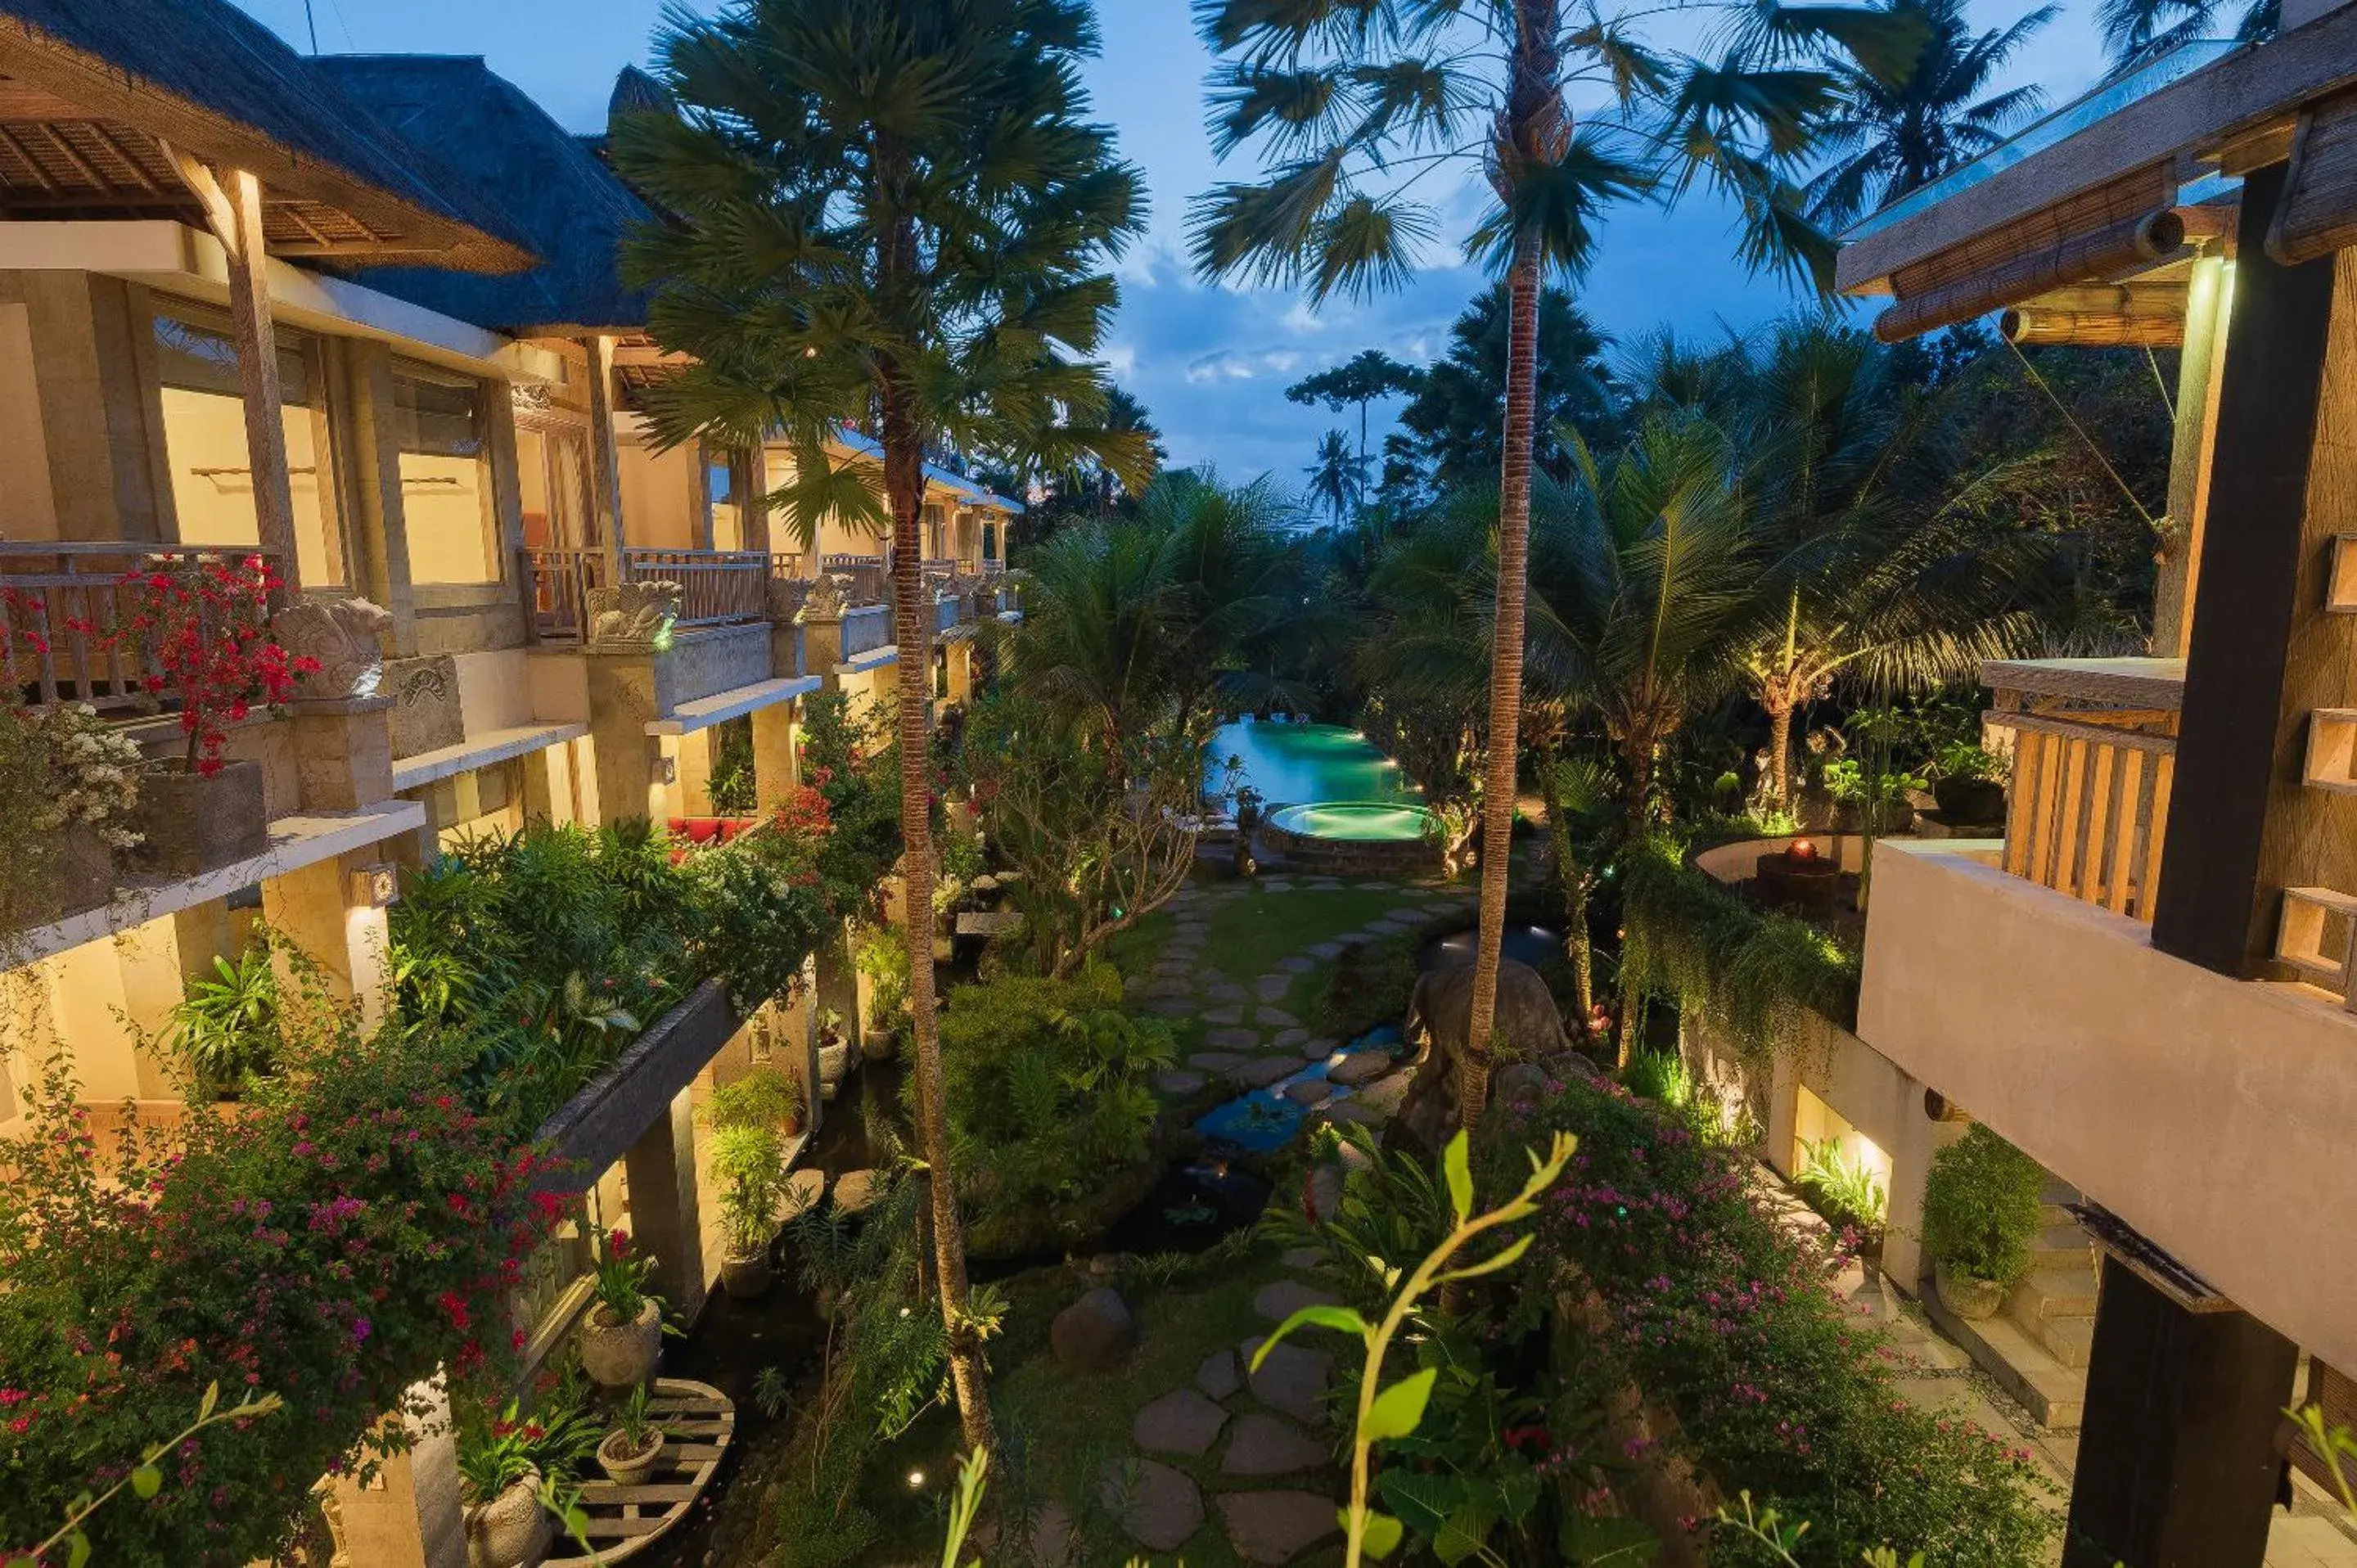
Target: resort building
2146 983
365 319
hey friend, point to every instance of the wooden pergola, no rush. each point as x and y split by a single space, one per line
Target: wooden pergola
189 111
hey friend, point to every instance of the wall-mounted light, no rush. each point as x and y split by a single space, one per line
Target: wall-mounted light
666 769
376 885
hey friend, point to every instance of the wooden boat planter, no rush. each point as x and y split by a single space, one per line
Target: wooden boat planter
700 1422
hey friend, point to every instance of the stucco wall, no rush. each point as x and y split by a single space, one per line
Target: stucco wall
2216 1116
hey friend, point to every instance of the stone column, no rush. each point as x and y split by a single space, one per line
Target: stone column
629 630
777 771
691 791
410 1514
605 461
666 1218
2177 1452
836 983
331 911
341 724
822 624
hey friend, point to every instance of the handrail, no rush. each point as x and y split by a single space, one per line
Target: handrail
559 581
716 586
66 614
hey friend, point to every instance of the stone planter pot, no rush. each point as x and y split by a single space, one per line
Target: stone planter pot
745 1278
510 1531
78 875
621 1355
1970 1298
626 1469
1898 817
189 824
1970 799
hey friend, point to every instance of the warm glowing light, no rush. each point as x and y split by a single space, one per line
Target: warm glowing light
916 1478
1801 849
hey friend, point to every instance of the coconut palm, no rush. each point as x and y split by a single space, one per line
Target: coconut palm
1338 476
901 218
1890 138
1353 104
2142 29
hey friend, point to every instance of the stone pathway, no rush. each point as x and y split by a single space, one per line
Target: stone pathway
1276 1484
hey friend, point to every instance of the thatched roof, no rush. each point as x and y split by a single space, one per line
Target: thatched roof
92 90
564 199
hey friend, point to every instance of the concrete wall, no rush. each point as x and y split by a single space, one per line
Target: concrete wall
2214 1115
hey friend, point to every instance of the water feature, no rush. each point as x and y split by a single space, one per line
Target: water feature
1265 1119
1532 945
1358 821
1297 764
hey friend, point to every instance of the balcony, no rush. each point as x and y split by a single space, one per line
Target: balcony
61 604
2095 755
718 587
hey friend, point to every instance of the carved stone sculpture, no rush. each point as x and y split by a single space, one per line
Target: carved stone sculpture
829 595
341 634
1438 1011
633 615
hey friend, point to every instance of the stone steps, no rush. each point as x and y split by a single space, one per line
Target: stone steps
2053 1394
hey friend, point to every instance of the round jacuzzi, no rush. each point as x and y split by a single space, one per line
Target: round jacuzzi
1381 836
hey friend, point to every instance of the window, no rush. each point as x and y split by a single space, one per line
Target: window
727 517
552 483
205 447
440 426
989 541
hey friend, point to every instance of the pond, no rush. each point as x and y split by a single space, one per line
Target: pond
1293 764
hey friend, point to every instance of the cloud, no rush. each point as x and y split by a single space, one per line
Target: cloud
1232 365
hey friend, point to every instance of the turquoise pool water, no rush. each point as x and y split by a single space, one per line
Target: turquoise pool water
1356 822
1306 764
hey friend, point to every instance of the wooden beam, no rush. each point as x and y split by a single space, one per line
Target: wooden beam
257 374
2189 456
2272 384
40 175
605 461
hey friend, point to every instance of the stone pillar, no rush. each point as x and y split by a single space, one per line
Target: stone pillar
330 910
410 1515
666 1218
2178 1466
691 792
835 980
822 626
630 631
342 726
777 771
605 460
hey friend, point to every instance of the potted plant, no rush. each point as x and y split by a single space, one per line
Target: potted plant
1860 797
1981 1209
1969 783
634 1446
506 1526
1248 804
203 631
749 1164
621 1333
226 1028
765 1097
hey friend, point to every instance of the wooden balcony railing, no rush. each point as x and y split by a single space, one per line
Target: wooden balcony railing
717 586
558 586
66 612
867 575
2094 758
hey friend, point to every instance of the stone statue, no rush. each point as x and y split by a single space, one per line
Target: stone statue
829 595
1528 1025
633 615
341 634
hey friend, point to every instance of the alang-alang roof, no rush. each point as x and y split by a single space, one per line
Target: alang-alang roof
97 95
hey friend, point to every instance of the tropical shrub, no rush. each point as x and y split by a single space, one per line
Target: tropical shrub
1050 1102
765 1099
622 1272
749 1167
207 626
352 1226
1712 1309
225 1029
1843 1190
1982 1207
850 760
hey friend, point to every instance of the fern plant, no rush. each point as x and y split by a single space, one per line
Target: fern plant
1845 1191
226 1028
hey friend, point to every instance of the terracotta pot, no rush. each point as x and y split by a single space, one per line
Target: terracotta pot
510 1531
628 1469
189 824
1967 1296
621 1355
745 1278
79 875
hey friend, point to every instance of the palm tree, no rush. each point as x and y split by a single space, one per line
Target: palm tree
897 217
1892 137
1354 103
2143 30
1339 476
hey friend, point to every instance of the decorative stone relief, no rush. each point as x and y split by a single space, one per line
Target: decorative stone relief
633 615
341 634
828 596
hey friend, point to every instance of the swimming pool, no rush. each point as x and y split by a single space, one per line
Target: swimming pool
1356 822
1305 764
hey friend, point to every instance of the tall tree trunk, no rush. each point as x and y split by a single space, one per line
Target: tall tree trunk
1534 130
1641 755
904 489
1778 700
1573 879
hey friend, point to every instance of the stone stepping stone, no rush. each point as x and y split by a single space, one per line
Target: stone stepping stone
1318 1049
1311 1091
1299 963
1273 1527
1273 987
1277 883
1290 1040
1180 1423
1280 1299
1217 1061
1171 1006
1327 949
1389 1094
1233 1040
1264 1446
1158 1506
855 1191
1274 1018
1303 1258
1267 1070
804 1187
1175 1082
1292 1381
1225 1017
1225 991
1217 1377
1360 1067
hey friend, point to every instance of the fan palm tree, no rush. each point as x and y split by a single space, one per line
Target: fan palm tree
2141 29
1354 103
1890 138
897 217
1338 476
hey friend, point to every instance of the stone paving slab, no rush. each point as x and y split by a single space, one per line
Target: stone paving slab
1358 1067
1171 1006
1311 1091
1233 1040
1280 1299
1226 1017
1290 1040
1299 963
1327 949
1274 1018
1273 1527
1292 1380
1158 1507
1272 987
1265 1445
1178 1082
1267 1070
1217 1061
1225 991
1180 1423
1218 1376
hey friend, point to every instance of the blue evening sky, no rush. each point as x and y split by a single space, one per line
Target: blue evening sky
1210 363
